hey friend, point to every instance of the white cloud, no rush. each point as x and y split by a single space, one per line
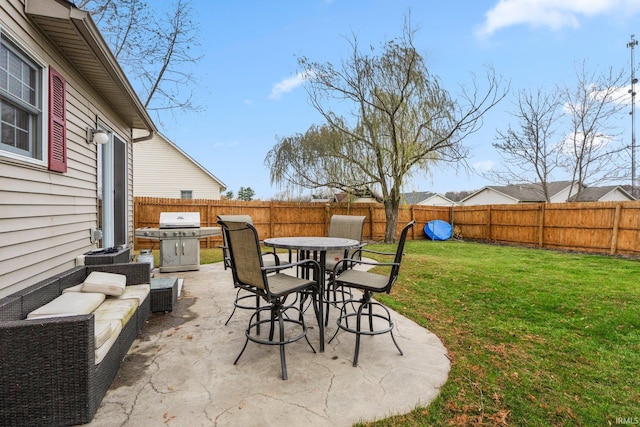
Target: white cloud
288 84
622 95
552 14
484 166
571 144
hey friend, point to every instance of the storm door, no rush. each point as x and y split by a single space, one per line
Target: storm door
112 189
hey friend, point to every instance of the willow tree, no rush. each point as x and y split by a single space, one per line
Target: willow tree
386 117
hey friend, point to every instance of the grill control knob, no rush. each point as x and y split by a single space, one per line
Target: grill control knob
193 233
175 233
164 234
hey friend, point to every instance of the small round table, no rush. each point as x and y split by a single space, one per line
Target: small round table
319 246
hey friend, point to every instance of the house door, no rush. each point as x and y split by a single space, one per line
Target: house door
112 191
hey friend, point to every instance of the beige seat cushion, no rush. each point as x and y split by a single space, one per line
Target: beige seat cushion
116 309
106 283
69 304
102 351
136 292
103 329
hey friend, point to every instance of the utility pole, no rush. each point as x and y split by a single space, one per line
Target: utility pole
632 44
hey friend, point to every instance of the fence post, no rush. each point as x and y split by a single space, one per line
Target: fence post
271 225
371 221
541 225
327 219
451 208
616 225
210 222
413 217
489 222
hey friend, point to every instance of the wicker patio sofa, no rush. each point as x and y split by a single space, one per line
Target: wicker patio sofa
48 374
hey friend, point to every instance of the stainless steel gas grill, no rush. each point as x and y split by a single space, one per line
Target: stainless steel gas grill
179 234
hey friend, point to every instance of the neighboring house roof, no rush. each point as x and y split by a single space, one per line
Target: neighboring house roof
75 34
558 192
594 194
524 193
532 192
346 197
425 198
415 197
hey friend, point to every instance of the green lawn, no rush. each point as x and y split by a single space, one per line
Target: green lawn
536 337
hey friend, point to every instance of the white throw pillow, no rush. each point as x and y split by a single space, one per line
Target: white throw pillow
69 304
106 283
76 288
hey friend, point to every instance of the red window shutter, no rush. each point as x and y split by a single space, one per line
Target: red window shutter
57 122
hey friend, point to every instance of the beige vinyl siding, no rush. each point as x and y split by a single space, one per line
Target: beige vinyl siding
163 171
489 197
563 195
46 217
614 196
44 223
437 200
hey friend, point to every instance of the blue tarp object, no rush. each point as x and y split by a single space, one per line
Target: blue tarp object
438 230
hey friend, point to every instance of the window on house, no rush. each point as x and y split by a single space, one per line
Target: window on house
21 102
186 194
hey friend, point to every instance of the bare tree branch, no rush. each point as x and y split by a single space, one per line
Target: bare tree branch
571 129
157 51
592 144
531 150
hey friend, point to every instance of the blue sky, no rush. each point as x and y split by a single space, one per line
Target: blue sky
251 96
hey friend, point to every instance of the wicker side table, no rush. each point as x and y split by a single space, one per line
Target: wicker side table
121 256
164 293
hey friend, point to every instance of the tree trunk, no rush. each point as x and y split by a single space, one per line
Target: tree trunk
391 213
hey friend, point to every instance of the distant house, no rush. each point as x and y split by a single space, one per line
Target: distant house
559 192
518 193
162 169
610 193
425 198
350 198
60 86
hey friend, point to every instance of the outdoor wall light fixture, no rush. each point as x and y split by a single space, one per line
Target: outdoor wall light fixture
97 136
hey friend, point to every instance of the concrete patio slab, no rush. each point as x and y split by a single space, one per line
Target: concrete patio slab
180 370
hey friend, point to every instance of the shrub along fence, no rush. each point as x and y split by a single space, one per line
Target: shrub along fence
600 227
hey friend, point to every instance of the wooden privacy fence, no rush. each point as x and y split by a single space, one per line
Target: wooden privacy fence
600 227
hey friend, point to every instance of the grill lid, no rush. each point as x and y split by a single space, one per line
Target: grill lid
180 220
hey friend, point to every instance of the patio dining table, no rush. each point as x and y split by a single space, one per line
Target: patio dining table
319 247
